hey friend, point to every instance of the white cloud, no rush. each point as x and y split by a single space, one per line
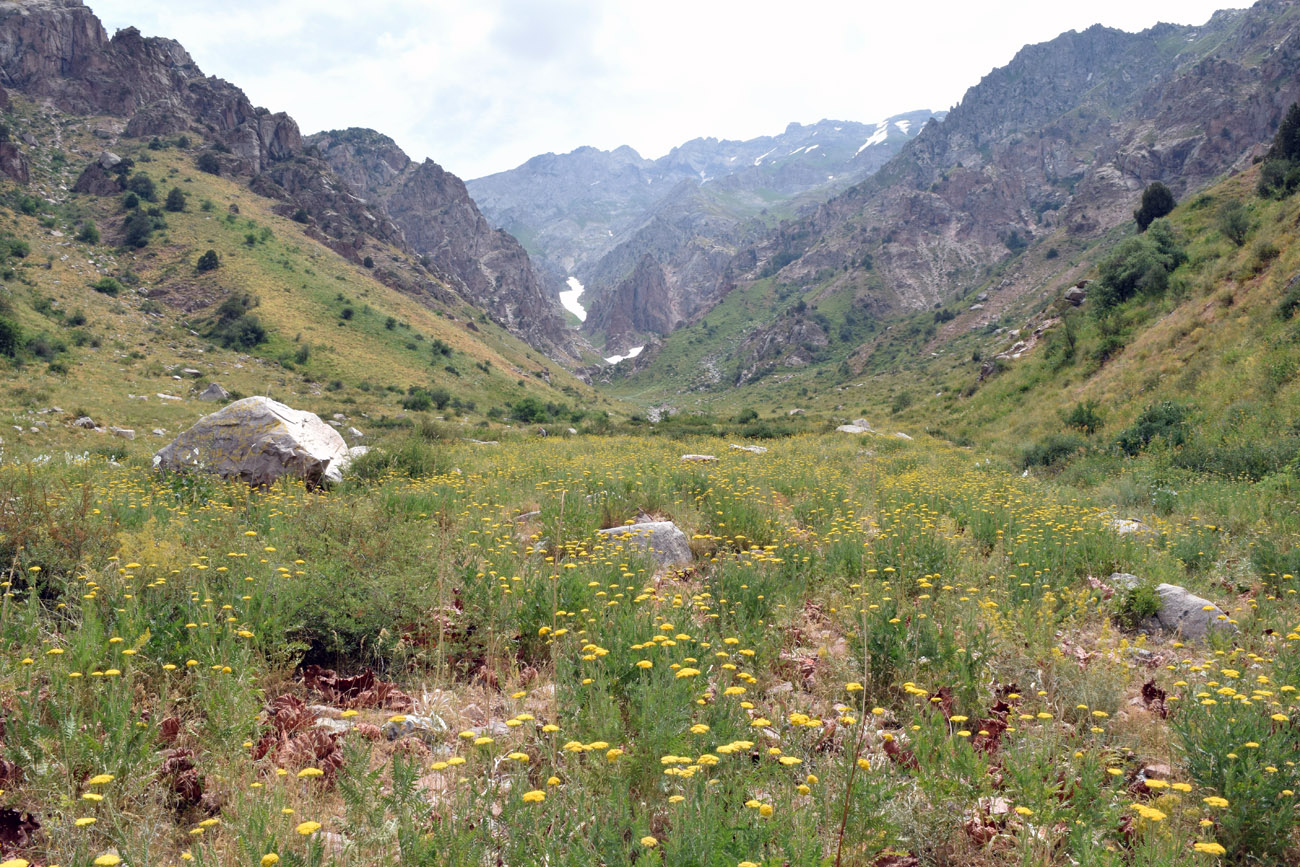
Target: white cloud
482 85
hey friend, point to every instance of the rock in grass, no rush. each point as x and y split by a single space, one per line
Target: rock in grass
753 450
698 459
853 429
214 392
259 440
1181 611
1125 526
124 432
665 542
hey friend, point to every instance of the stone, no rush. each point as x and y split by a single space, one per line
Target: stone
1076 295
853 429
662 539
698 459
355 434
214 392
902 436
753 450
159 432
1125 526
862 423
259 440
334 726
357 451
123 432
796 411
1181 611
426 728
84 422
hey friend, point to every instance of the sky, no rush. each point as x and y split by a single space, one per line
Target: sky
480 86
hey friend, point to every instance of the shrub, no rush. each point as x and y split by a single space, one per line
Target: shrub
1136 604
11 337
1051 451
1084 416
1279 176
107 286
368 262
1167 419
1140 265
746 415
234 327
208 162
529 410
175 200
1157 201
143 186
209 261
89 233
139 229
1233 221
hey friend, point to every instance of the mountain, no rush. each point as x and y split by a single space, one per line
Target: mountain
1041 159
57 50
632 229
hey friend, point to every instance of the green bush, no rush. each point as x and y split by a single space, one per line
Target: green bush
1167 419
143 186
89 233
107 286
1233 221
1132 606
11 337
1051 451
1157 201
208 162
1084 416
209 261
1139 265
175 200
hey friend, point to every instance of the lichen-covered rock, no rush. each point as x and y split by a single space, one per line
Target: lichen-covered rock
665 542
258 440
1181 611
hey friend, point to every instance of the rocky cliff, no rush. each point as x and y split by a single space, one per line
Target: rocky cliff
441 223
58 52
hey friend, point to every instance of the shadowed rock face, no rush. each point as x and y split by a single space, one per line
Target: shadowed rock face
440 222
257 440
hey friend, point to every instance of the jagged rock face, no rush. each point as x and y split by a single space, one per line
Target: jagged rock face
641 303
596 214
440 222
13 162
791 341
1066 135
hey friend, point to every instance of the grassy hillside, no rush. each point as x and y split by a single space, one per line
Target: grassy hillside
336 339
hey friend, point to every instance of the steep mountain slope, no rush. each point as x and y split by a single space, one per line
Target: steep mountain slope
1047 153
57 50
609 217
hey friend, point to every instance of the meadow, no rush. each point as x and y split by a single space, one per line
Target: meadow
886 653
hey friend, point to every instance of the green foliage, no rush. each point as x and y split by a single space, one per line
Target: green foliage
208 162
139 228
107 286
1157 201
209 261
234 327
746 415
88 233
529 410
11 337
143 186
1279 176
1135 604
1051 451
1233 221
1139 265
901 401
1084 416
1167 419
175 200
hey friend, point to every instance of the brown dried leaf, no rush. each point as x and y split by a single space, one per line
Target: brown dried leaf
1155 699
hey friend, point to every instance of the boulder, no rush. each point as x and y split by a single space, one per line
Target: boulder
1181 611
662 539
85 422
1076 295
258 440
753 450
355 434
214 392
1125 526
902 436
123 432
698 459
853 429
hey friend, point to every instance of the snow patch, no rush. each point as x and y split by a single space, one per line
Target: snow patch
813 148
760 159
796 150
569 299
903 126
881 133
631 353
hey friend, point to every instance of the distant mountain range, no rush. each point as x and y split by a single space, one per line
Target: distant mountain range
651 239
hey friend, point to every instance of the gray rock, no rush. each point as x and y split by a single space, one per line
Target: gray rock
355 434
902 436
573 431
753 450
189 371
853 429
123 432
862 423
159 432
1076 295
1181 611
357 451
334 726
662 539
698 459
795 411
1125 526
427 728
214 392
108 159
84 422
258 440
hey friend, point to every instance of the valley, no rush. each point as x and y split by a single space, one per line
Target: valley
911 492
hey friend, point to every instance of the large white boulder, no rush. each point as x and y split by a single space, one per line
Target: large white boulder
662 539
258 440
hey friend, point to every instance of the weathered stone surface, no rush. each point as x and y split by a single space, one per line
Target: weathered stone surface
1125 526
1181 611
258 440
666 543
214 392
753 450
699 459
85 422
853 429
123 432
1076 295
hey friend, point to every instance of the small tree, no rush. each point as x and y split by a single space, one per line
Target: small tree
208 162
209 261
89 233
11 337
1157 201
175 200
143 186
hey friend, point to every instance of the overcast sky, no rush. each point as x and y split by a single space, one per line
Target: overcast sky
482 85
